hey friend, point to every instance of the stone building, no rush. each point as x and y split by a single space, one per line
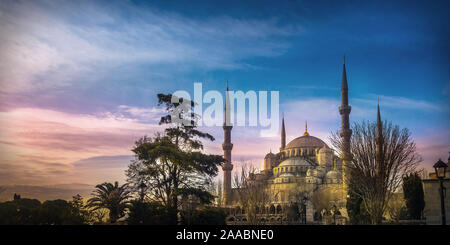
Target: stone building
432 211
296 175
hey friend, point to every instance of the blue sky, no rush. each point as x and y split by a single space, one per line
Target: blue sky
102 63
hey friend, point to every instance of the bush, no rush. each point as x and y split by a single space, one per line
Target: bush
148 213
413 195
205 216
24 211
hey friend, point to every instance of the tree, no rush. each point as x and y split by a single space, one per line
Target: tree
81 210
378 171
147 213
325 198
355 207
396 208
206 216
253 195
58 212
413 195
20 211
173 164
112 197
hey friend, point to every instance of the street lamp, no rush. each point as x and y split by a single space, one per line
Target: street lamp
440 167
304 209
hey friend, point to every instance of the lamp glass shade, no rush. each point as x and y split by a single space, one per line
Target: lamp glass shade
440 168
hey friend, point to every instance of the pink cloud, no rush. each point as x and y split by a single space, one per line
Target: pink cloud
39 145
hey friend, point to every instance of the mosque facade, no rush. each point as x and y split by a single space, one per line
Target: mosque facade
305 178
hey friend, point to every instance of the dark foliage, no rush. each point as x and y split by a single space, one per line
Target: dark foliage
172 165
413 195
148 213
23 211
206 216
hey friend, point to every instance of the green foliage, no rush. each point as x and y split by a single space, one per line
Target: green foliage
172 164
148 213
413 195
23 211
112 197
356 210
206 216
59 212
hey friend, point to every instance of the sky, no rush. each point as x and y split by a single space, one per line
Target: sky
79 79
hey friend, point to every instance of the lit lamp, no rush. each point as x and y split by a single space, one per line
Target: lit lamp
441 168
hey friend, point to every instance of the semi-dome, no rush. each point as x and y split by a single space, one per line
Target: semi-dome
270 155
286 175
306 141
325 149
295 161
333 174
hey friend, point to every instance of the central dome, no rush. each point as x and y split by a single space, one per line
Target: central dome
306 141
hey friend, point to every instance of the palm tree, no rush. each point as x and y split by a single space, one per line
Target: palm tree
111 197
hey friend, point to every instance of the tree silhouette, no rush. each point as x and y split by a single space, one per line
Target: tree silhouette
112 197
172 164
376 174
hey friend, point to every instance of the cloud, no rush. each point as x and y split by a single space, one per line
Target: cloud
143 114
47 146
433 146
57 45
104 162
398 102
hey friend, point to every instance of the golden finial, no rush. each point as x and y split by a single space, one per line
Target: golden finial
227 84
306 129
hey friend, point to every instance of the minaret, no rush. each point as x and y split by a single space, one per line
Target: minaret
227 146
345 131
379 141
283 135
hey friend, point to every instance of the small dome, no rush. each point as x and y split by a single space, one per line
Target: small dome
295 161
333 174
269 155
325 149
306 142
286 175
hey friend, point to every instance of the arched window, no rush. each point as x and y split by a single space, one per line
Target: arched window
279 209
272 209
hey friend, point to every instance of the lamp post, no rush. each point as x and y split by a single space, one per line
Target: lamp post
440 167
304 209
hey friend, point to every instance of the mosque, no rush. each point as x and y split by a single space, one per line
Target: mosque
297 176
